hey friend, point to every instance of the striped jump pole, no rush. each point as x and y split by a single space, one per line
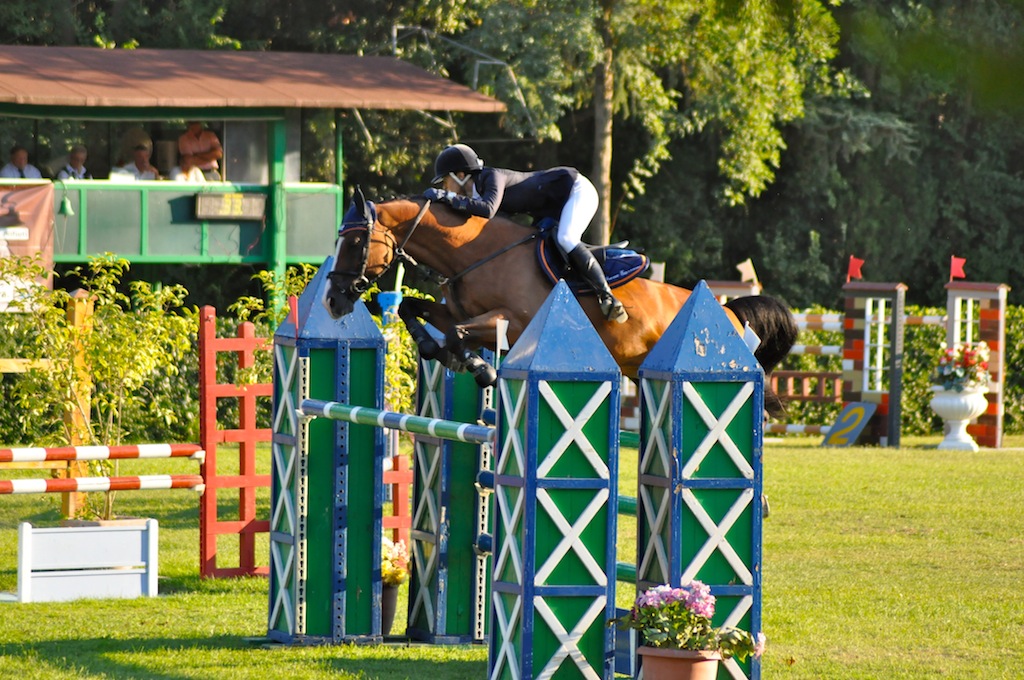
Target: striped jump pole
556 469
90 484
404 422
138 451
700 465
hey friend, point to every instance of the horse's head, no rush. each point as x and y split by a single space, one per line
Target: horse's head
364 252
368 247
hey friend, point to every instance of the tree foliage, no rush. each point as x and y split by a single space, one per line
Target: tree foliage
794 132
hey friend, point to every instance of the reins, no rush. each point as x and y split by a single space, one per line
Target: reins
361 283
436 276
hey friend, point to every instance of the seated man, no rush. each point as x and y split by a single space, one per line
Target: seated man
75 168
202 143
19 165
140 168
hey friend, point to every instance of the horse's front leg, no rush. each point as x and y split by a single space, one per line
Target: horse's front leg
411 310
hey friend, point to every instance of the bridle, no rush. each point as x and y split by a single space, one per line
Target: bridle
367 224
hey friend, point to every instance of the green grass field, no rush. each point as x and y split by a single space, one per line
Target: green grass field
878 563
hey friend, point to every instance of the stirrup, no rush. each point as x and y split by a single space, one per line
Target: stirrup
613 309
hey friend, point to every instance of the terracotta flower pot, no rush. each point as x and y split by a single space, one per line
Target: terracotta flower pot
678 664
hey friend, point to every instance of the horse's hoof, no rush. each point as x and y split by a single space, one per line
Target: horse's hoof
429 348
485 375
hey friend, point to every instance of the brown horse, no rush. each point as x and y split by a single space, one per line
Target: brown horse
488 271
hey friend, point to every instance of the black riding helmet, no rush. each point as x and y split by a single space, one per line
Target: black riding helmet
456 158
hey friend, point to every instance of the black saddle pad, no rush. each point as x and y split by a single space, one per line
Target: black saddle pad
620 265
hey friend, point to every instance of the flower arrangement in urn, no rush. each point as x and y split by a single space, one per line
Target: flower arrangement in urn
394 562
680 619
962 366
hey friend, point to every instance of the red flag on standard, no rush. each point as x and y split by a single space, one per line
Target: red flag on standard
956 267
853 271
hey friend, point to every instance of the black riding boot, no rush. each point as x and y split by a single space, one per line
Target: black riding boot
583 261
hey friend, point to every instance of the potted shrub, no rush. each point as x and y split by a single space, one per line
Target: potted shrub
959 383
678 640
394 571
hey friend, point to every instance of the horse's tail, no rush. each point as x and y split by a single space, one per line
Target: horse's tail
775 325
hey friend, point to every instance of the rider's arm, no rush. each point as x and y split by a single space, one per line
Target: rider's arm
491 187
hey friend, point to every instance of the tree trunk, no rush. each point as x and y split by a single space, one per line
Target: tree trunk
601 173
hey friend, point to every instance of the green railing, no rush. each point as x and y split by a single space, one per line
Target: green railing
155 222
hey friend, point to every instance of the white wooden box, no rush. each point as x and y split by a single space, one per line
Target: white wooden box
67 563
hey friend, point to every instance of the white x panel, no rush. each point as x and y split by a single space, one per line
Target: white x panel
431 376
716 536
655 539
573 429
513 443
717 431
656 443
286 371
506 629
571 537
510 518
426 519
568 641
283 556
284 471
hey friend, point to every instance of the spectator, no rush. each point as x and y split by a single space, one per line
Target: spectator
140 168
203 145
19 165
131 138
75 168
187 170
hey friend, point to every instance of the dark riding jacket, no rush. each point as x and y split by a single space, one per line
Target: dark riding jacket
537 194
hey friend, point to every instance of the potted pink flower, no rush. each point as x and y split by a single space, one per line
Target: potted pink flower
678 639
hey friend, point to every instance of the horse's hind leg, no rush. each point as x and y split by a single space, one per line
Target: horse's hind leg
454 353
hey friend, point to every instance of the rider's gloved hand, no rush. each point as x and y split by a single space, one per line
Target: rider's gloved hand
458 202
435 195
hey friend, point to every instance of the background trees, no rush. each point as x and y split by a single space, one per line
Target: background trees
793 132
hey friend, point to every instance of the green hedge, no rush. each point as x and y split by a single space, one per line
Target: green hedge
920 353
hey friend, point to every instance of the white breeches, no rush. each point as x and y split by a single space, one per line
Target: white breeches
579 210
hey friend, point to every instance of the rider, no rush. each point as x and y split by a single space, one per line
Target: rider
562 193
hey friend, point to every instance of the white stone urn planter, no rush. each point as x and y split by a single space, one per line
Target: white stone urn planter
957 409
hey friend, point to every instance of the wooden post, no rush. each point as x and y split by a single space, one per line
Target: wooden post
79 315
